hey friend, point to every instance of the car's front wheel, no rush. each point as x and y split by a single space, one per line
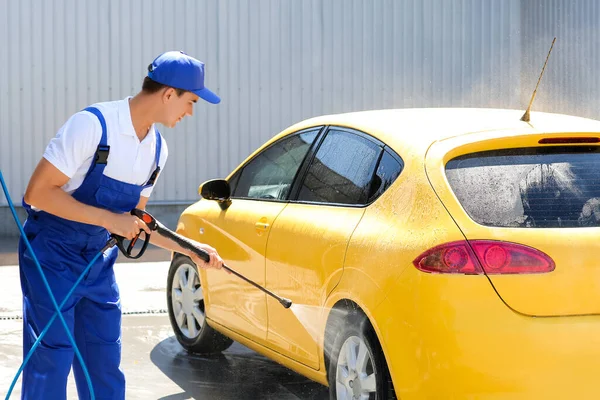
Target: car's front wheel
357 369
185 300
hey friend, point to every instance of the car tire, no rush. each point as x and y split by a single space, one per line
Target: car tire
185 301
350 379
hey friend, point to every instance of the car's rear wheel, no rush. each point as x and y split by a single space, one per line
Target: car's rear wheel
185 300
357 368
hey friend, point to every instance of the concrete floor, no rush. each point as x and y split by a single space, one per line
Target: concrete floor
155 365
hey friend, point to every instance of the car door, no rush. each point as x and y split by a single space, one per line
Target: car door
307 244
260 190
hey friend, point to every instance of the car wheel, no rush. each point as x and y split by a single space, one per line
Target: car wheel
357 368
185 300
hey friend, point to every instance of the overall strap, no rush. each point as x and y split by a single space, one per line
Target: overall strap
156 160
101 155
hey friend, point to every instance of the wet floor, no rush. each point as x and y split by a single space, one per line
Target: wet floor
156 367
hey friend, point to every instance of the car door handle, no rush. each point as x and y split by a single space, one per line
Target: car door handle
263 226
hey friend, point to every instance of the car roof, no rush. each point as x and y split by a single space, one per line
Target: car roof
417 128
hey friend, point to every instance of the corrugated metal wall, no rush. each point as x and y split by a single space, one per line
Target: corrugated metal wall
273 62
571 83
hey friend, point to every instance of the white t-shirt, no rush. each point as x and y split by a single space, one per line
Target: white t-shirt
129 160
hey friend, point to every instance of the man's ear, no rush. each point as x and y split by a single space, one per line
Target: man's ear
168 94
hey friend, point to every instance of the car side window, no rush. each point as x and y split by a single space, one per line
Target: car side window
342 170
270 174
233 181
388 170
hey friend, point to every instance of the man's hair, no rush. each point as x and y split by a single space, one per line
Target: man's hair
149 86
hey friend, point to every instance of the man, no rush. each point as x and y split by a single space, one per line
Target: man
101 164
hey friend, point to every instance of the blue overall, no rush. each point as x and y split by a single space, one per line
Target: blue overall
64 248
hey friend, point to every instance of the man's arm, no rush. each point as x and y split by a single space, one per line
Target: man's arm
44 192
168 244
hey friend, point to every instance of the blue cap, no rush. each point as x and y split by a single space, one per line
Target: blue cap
178 70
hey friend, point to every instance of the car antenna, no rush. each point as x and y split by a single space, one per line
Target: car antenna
525 116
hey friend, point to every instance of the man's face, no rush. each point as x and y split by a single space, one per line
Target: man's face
177 107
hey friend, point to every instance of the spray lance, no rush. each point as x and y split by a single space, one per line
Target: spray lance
162 230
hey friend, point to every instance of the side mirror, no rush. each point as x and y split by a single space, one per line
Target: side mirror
218 190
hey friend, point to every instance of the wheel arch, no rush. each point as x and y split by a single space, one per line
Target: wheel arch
342 310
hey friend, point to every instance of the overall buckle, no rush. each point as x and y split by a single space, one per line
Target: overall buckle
101 156
153 176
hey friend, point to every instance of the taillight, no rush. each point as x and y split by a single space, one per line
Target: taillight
511 258
493 257
449 258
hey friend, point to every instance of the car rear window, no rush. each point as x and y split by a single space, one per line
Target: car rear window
542 187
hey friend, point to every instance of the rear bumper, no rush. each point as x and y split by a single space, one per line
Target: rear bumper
451 336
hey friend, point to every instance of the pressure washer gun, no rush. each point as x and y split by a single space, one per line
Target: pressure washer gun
155 226
128 248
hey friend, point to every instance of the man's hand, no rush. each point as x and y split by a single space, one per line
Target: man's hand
215 259
125 225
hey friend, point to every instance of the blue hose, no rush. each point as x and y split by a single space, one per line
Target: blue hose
56 306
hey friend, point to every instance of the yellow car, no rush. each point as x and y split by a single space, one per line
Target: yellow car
429 254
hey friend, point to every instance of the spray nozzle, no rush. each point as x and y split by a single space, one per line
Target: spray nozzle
286 303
